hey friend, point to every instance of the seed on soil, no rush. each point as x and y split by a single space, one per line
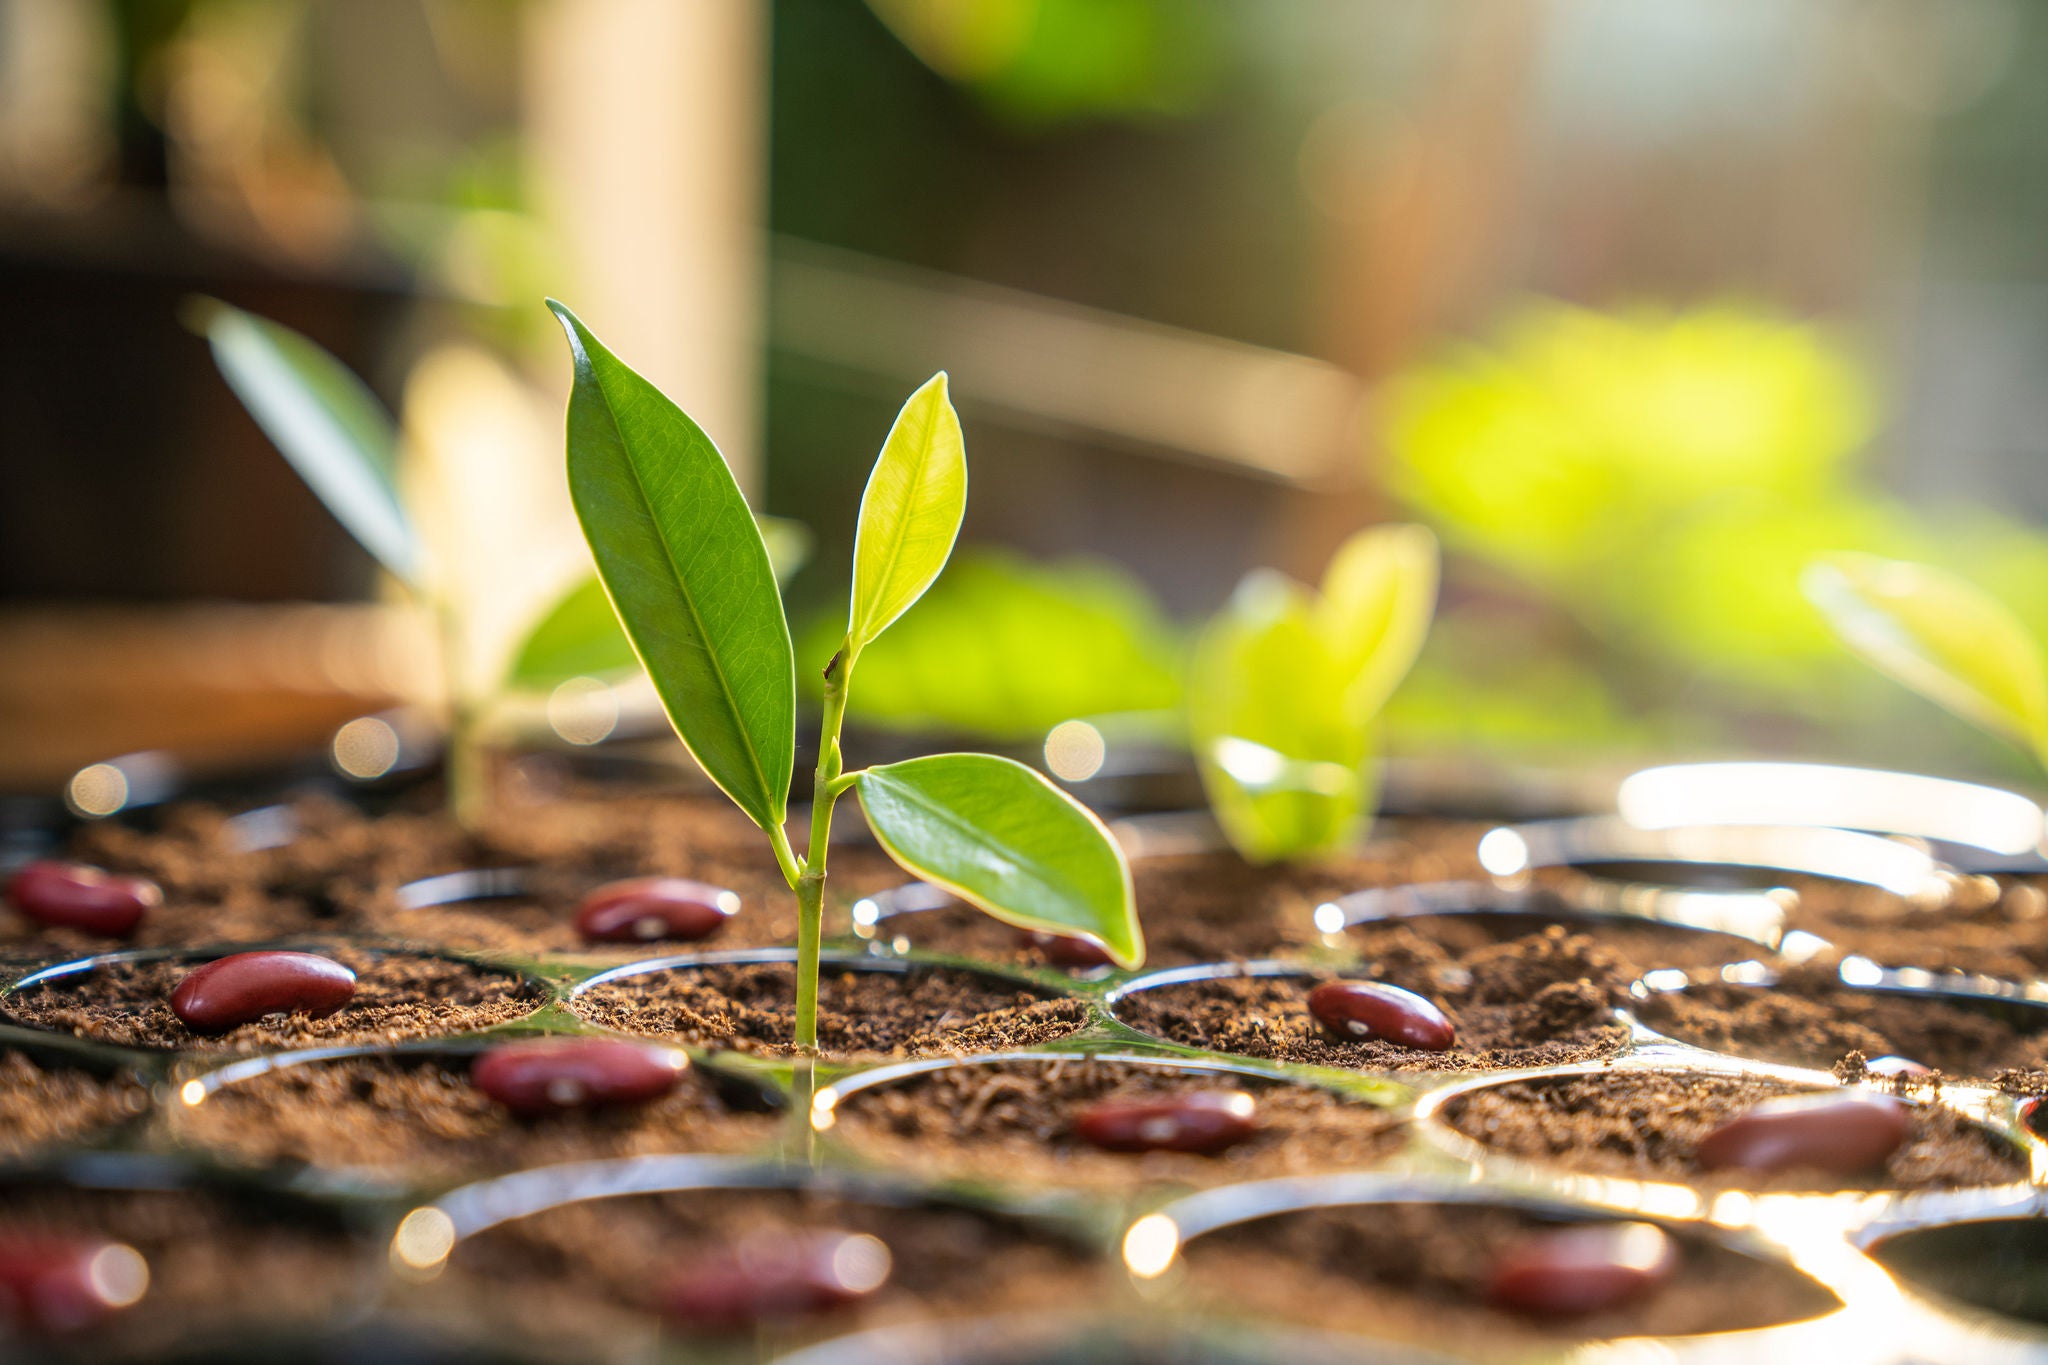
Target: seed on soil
1578 1270
1895 1066
244 987
1066 950
1203 1122
62 895
771 1278
51 1284
546 1075
1843 1133
643 909
1359 1010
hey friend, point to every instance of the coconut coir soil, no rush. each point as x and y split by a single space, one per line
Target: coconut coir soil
1647 1125
43 1105
1013 1121
398 996
420 1117
587 1276
1540 1000
1419 1271
861 1013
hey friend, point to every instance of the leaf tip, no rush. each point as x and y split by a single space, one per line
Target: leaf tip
199 312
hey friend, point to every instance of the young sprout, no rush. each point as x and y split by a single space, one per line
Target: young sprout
686 570
1940 635
344 443
1285 686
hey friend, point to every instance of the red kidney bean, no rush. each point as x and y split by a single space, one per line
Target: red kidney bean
775 1277
2035 1115
1356 1010
243 987
1844 1133
82 897
546 1075
1066 950
51 1284
1578 1270
642 909
1895 1066
1203 1121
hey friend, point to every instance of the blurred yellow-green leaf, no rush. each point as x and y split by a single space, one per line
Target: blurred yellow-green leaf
1379 592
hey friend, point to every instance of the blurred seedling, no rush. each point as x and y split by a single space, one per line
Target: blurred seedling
685 567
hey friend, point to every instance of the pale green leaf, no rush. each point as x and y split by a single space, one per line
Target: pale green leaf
999 836
579 636
910 514
686 569
1379 593
1939 635
326 422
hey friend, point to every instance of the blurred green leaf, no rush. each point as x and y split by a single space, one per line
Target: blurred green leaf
1001 837
326 422
686 567
910 514
580 637
1941 636
1379 593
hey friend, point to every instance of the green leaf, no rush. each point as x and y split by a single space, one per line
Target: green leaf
688 573
580 637
1001 837
326 422
1939 635
910 514
1285 758
1379 593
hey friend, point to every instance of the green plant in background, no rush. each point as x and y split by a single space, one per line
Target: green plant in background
1942 636
1004 649
687 571
1286 686
345 444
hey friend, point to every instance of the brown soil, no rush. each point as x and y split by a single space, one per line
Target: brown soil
1811 1019
1540 1000
42 1105
584 1277
1009 1122
1646 1125
1419 1271
215 1259
752 1007
1996 927
343 870
398 996
421 1116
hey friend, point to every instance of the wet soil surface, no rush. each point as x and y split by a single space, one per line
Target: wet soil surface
595 1271
1420 1271
1647 1126
398 996
421 1116
1811 1019
751 1007
1539 1000
1013 1122
43 1104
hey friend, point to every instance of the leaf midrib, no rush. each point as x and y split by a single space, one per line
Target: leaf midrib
1032 867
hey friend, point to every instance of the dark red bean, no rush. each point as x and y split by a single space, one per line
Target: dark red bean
1202 1121
51 1284
2035 1115
1895 1066
78 896
550 1074
1356 1010
642 909
244 987
775 1277
1066 950
1579 1270
1843 1133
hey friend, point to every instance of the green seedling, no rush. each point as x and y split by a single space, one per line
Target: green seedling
345 444
1286 685
686 569
1943 637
